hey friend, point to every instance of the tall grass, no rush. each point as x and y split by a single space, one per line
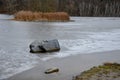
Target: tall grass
39 16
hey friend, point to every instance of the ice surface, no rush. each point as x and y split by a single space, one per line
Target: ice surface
84 35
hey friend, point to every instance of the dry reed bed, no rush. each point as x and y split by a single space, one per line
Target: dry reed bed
39 16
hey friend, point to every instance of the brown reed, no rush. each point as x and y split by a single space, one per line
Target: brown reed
39 16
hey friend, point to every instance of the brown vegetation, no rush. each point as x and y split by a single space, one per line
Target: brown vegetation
39 16
108 71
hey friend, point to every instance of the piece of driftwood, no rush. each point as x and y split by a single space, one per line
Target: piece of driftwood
51 70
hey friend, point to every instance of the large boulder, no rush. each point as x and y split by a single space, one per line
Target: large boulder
44 46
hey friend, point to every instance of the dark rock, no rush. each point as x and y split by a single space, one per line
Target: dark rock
51 70
35 47
44 46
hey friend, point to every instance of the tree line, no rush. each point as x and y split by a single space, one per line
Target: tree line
72 7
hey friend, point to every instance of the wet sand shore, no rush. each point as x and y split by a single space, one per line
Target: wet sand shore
68 66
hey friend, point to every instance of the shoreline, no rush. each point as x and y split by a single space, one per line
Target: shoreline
69 66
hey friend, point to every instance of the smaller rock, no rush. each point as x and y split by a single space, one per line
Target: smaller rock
51 70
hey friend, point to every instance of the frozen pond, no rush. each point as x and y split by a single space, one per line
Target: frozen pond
84 35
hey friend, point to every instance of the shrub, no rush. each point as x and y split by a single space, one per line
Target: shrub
39 16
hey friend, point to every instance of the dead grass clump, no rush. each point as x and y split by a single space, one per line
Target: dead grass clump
24 16
38 16
111 64
56 16
107 71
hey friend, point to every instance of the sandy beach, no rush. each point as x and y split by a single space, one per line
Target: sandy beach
69 66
